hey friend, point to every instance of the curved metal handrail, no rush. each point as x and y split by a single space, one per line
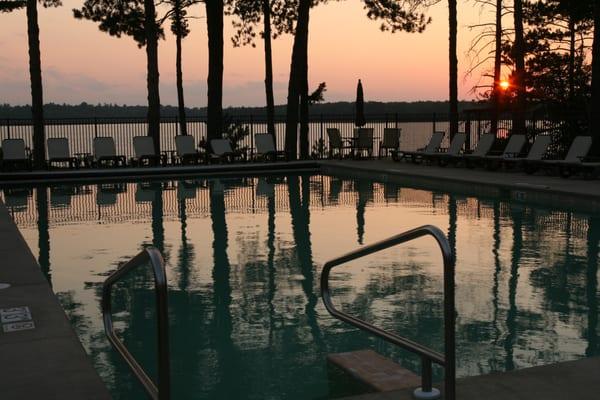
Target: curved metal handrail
152 256
448 359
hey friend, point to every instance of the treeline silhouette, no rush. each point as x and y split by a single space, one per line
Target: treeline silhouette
86 110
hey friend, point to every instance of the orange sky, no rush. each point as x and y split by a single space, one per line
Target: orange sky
80 63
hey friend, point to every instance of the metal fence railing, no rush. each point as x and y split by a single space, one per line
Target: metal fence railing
416 130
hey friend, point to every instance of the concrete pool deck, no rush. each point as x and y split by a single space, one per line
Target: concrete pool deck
44 360
561 381
49 361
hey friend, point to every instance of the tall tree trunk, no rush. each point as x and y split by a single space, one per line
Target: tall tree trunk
571 60
453 69
151 31
296 73
595 115
35 72
497 69
304 151
179 72
519 77
214 23
266 5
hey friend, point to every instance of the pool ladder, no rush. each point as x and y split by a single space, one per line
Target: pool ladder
153 257
428 356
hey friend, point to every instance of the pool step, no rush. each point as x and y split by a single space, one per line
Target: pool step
374 370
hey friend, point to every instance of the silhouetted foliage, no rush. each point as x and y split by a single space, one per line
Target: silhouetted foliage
136 18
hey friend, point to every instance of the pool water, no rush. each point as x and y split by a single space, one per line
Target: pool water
244 258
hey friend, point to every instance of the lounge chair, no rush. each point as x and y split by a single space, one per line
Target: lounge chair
59 152
536 153
337 143
444 156
573 161
486 141
105 152
186 150
222 151
513 149
265 148
143 147
433 147
390 143
14 154
363 142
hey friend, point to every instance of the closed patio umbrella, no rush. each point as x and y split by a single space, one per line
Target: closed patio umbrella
360 120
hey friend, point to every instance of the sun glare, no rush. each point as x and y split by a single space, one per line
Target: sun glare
504 85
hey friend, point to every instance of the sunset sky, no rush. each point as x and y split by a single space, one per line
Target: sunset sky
80 63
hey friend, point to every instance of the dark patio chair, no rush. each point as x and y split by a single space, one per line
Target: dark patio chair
390 143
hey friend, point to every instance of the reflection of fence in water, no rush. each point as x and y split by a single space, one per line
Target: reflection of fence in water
132 202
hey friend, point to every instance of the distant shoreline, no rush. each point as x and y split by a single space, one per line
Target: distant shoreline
85 110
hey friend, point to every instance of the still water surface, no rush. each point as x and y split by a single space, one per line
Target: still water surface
244 258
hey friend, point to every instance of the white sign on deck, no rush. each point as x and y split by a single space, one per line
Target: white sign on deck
15 314
16 319
18 326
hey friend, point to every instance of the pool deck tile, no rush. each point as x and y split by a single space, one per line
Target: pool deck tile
47 362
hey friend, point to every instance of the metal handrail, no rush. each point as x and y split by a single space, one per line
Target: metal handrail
446 360
152 256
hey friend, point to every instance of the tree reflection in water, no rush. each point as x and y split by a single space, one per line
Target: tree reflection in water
246 318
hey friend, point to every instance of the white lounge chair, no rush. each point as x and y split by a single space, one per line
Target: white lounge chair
14 154
59 152
186 150
222 151
573 161
513 149
536 153
433 147
105 152
265 148
337 143
443 156
145 154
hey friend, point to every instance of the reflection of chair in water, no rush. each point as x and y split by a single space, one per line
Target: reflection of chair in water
390 191
16 198
264 188
144 193
217 187
186 190
60 196
106 194
335 188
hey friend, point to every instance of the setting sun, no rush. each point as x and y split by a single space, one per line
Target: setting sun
504 85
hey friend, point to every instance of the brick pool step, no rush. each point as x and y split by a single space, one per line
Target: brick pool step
374 370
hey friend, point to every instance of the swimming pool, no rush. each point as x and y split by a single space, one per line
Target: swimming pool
244 259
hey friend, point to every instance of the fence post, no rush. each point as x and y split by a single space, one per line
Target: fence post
396 121
322 142
251 137
8 128
433 121
468 132
95 127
